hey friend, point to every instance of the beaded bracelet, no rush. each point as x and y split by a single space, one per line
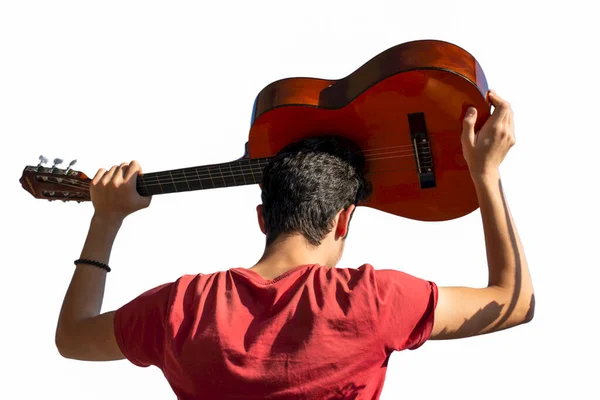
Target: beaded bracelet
92 262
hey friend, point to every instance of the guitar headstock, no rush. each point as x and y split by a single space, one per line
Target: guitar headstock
52 183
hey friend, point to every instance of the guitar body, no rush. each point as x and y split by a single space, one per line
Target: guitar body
404 108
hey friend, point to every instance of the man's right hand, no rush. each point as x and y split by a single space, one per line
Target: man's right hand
485 150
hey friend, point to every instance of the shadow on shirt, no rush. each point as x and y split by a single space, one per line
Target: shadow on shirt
348 392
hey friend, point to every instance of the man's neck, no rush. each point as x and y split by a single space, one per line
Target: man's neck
287 253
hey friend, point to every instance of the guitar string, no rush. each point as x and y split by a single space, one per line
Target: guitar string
206 170
240 168
387 147
380 153
177 178
245 172
240 171
211 172
85 185
79 186
370 152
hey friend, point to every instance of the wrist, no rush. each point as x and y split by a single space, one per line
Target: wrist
486 178
107 220
101 236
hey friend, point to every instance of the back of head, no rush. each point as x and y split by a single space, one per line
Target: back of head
308 182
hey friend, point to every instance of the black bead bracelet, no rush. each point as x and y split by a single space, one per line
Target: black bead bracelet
94 263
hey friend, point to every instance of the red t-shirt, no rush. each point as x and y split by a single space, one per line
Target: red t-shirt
312 333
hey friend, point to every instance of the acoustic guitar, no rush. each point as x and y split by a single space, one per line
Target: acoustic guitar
404 108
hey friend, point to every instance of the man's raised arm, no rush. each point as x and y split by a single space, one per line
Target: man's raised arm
508 300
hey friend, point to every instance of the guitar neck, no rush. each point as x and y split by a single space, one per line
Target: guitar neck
236 173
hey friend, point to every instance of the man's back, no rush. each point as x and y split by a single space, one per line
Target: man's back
312 332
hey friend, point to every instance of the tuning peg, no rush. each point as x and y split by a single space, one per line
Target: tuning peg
70 165
43 160
57 161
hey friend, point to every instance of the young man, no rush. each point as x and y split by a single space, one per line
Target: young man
293 325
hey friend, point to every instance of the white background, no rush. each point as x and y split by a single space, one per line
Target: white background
171 84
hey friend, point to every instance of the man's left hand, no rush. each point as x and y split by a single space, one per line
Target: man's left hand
114 193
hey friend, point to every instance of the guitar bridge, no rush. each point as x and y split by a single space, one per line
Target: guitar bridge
421 150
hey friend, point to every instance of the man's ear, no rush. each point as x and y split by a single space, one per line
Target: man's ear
261 219
343 222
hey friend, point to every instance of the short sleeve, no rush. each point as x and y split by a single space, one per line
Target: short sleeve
406 308
140 326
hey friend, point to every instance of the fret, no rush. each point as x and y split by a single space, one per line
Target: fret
186 179
241 169
141 187
159 185
252 172
260 170
211 178
190 179
228 179
199 180
179 181
206 178
166 183
217 176
234 174
173 180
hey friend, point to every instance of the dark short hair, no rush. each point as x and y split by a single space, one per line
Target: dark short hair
308 182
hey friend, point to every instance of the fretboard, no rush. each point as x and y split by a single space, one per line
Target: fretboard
235 173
